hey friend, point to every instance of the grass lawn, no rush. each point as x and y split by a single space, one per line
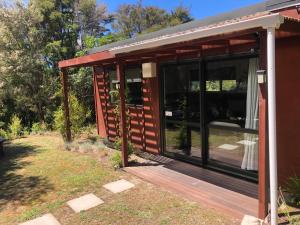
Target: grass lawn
38 176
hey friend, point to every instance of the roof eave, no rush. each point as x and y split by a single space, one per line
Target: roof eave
86 60
266 21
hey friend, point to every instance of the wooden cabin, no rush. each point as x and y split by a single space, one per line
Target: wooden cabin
221 93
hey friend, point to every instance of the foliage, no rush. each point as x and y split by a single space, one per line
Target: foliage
15 127
292 187
116 159
35 37
4 134
38 128
27 85
134 19
92 18
78 115
118 144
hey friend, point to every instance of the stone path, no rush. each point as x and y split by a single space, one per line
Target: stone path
82 203
118 186
47 219
85 202
89 201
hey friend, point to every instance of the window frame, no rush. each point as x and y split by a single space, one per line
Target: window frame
134 66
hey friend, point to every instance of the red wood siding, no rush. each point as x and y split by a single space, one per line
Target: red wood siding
288 107
143 123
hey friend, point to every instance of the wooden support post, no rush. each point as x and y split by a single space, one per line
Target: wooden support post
65 89
124 147
263 147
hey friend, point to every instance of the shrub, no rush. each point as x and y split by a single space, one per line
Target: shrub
118 144
117 156
4 134
15 127
78 115
116 160
292 187
38 128
26 131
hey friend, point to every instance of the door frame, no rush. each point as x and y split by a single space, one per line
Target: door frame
204 162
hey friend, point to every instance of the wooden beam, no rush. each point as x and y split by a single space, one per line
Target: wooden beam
123 125
65 90
263 154
86 60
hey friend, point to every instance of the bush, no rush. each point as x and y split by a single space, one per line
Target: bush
26 131
78 115
116 160
4 134
118 144
38 128
117 156
292 187
15 127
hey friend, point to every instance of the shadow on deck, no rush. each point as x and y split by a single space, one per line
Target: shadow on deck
231 195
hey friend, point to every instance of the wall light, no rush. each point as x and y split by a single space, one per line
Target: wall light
261 76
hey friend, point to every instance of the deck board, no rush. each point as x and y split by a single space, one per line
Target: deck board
230 195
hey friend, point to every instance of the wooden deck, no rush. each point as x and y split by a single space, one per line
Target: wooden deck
230 195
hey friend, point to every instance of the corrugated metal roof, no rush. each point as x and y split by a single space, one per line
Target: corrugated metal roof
253 10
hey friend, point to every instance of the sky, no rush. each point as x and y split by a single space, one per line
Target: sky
199 8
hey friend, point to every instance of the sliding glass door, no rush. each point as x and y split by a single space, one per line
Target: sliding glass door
181 103
210 113
232 113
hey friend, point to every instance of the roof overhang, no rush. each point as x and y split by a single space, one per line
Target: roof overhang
265 21
86 60
257 21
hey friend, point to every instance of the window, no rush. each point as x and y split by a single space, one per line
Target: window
133 86
113 85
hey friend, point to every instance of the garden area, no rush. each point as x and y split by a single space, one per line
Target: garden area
39 174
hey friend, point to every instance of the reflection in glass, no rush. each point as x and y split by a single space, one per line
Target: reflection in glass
182 139
230 147
232 112
182 109
133 81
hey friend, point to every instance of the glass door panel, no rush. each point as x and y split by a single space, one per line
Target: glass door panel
232 113
182 109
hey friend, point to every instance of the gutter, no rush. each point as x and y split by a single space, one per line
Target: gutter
266 21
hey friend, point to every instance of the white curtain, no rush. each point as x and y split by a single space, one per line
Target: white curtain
250 159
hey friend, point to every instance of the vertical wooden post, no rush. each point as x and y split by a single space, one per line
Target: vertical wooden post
124 146
65 89
263 154
100 86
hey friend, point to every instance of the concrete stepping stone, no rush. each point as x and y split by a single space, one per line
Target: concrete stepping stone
228 147
118 186
251 220
47 219
84 202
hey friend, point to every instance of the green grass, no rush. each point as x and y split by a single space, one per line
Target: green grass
38 176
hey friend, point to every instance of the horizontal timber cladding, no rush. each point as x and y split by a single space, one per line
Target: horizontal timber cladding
142 121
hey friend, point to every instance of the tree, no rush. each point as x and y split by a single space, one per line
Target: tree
133 19
24 76
180 15
92 18
58 27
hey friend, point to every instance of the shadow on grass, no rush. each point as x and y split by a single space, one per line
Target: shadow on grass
18 188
